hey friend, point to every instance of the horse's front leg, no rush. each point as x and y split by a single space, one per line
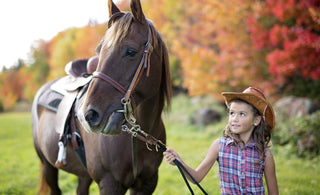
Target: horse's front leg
109 186
146 186
83 185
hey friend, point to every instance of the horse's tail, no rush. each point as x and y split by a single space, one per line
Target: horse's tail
43 187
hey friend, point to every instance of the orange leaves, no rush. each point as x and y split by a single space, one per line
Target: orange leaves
211 41
74 43
229 45
22 82
12 85
87 38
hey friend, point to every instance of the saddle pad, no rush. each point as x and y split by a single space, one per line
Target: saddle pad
50 99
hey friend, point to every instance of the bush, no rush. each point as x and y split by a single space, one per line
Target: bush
302 133
306 134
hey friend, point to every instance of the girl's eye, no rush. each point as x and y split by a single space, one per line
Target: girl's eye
231 113
242 114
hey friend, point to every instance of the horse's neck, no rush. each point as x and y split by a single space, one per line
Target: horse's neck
149 114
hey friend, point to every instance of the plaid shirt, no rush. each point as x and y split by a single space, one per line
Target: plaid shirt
240 171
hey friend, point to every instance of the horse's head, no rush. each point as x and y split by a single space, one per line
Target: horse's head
133 66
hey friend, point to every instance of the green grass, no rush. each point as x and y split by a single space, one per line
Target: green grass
19 164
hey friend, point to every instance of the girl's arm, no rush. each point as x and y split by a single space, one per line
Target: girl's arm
201 171
270 175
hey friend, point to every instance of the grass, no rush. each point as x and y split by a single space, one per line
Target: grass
19 164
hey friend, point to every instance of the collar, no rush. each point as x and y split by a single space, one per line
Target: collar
230 141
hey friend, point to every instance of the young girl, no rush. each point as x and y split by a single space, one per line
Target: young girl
242 153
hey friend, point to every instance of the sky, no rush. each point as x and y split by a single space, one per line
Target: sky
25 21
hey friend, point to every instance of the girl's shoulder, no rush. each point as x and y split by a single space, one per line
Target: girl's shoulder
215 143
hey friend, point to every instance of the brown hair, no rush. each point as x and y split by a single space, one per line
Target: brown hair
261 133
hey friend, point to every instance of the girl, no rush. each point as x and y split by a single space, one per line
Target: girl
242 153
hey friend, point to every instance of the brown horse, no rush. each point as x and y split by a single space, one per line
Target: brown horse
133 67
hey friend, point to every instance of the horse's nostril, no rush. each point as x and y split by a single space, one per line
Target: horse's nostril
92 117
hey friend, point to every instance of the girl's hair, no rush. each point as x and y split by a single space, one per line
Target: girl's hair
261 133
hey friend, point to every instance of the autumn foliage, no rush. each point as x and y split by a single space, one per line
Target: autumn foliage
74 43
288 31
214 46
47 62
210 39
11 86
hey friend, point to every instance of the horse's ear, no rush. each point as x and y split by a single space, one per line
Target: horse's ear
137 11
112 8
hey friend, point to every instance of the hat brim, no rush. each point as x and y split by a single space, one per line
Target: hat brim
263 106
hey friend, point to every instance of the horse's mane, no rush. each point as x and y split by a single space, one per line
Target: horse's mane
114 36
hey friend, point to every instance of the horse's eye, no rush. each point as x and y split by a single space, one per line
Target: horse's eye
130 52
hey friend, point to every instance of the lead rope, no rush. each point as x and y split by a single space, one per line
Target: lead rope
136 132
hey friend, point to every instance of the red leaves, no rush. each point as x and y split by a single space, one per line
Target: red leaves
298 56
288 31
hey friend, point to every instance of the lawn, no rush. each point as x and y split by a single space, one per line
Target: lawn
19 164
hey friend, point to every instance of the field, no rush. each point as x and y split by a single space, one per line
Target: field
19 164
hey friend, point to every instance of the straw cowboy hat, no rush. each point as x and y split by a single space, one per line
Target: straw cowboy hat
256 98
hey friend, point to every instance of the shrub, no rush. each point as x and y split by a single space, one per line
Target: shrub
306 134
302 133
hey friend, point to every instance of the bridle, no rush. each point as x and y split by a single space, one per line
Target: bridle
133 128
144 64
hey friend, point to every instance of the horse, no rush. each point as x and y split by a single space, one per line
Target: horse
129 88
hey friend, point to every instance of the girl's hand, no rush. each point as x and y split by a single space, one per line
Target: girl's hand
170 155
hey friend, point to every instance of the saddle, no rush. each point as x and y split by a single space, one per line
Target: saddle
82 67
61 99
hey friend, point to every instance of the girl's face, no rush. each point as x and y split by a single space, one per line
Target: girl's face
242 120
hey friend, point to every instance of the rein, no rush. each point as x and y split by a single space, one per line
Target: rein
135 130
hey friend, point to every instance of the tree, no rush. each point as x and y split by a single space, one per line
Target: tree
288 32
210 40
61 52
38 69
12 82
71 44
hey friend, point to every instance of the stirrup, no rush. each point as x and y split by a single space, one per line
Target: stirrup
62 156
